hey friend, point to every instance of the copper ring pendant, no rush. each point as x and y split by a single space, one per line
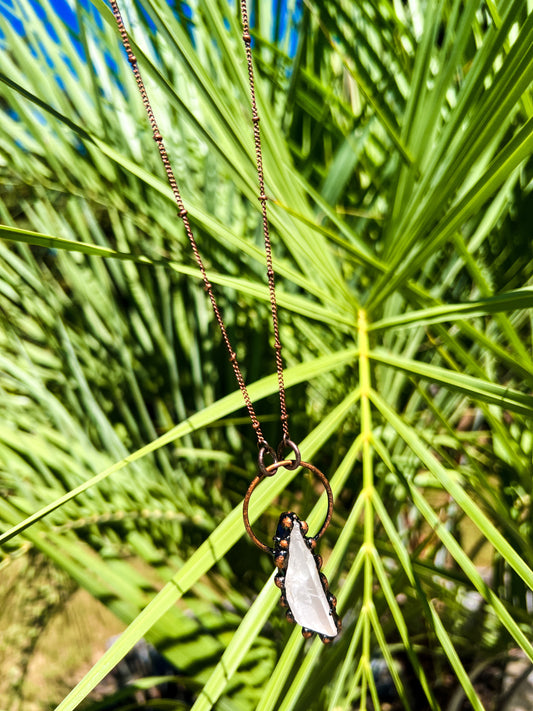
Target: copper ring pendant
269 471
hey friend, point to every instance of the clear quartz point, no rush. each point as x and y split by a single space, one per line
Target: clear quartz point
303 588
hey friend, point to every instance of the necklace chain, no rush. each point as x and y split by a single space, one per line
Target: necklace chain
266 235
182 213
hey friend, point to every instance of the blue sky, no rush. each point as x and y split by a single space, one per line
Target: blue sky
61 6
63 9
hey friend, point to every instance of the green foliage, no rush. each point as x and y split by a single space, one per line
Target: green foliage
397 142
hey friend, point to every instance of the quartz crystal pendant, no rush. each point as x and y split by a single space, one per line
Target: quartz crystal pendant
304 589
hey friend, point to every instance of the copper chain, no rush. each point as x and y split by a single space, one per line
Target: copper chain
266 235
182 213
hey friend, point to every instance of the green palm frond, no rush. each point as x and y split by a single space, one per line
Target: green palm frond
397 150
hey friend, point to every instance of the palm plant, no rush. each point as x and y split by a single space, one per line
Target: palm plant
396 140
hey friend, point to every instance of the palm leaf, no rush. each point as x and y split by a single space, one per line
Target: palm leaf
397 142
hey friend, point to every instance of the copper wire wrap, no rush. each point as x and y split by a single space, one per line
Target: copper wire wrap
271 470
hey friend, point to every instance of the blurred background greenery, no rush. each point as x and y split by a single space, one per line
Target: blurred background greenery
397 140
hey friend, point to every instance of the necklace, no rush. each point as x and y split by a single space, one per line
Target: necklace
304 589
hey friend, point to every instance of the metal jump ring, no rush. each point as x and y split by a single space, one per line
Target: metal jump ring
270 470
295 463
